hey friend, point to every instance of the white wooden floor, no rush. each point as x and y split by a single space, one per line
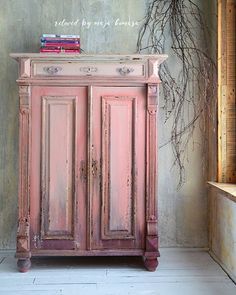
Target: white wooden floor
181 271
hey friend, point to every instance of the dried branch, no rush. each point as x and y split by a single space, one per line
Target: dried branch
187 97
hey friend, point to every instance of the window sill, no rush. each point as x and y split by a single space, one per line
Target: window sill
228 189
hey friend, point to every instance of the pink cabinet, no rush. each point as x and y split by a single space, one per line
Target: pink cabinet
88 156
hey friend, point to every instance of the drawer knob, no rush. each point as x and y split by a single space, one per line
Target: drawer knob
124 70
89 70
52 70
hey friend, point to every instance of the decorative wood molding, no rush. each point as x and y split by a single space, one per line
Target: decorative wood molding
24 95
23 237
153 70
25 67
23 243
151 186
152 99
90 151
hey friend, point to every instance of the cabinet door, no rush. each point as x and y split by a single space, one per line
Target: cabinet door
117 184
58 172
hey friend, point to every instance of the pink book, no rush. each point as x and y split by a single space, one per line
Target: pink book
60 45
60 50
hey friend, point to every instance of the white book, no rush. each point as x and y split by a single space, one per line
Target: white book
59 36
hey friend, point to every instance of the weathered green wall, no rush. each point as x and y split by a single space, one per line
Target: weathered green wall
183 214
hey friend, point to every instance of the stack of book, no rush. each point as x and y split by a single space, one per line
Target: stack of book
60 43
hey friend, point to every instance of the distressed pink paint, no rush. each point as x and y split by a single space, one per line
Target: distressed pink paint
118 137
88 156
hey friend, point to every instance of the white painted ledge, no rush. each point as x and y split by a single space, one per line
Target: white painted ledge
228 189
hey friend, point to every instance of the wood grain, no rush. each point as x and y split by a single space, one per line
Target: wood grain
226 91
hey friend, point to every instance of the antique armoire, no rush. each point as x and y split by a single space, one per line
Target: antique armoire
88 156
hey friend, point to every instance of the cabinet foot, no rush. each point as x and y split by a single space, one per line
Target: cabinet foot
23 264
150 263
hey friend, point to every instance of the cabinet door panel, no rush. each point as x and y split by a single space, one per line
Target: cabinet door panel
118 193
118 144
58 137
59 121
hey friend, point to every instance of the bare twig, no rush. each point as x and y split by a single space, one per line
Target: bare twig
187 97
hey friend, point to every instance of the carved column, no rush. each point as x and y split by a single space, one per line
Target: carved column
23 240
152 252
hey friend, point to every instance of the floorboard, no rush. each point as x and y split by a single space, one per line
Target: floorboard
180 271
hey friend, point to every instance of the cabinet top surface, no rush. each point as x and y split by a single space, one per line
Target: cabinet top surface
90 57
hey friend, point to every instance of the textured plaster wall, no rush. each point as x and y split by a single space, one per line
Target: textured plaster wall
223 231
182 214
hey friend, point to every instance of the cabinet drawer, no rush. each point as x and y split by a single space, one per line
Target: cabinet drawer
88 69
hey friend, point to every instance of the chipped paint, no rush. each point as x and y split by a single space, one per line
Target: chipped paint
36 241
182 215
